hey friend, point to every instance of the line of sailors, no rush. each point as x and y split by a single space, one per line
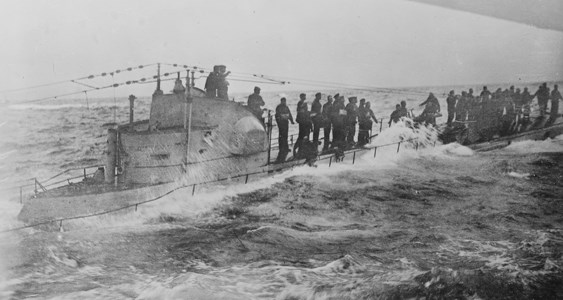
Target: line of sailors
497 112
501 111
333 116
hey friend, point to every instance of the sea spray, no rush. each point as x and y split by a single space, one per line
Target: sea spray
524 147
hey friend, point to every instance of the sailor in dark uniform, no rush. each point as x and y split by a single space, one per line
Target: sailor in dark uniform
222 83
365 117
255 103
517 99
211 83
178 86
555 97
327 117
461 107
526 99
404 110
283 117
362 104
303 119
431 109
543 97
485 93
316 117
509 117
468 104
338 121
395 115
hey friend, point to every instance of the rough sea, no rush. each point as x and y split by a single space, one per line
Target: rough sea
440 222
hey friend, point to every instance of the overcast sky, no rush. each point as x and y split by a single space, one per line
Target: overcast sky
384 43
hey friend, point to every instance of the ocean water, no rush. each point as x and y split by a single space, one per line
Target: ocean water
438 222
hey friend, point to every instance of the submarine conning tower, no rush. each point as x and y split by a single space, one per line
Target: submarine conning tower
189 135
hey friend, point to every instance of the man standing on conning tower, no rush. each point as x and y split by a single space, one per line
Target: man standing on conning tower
255 103
211 83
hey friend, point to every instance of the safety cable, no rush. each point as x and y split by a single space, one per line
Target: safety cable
79 78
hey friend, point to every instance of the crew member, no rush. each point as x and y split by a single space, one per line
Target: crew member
338 124
362 105
431 109
555 97
316 117
303 119
283 117
327 117
485 93
404 111
365 123
222 83
543 97
351 120
395 115
178 86
361 121
255 103
509 118
451 102
211 83
474 108
517 99
471 101
461 107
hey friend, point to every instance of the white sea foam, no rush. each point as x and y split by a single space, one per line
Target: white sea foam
548 145
456 150
405 130
519 175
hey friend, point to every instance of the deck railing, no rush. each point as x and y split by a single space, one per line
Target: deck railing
52 182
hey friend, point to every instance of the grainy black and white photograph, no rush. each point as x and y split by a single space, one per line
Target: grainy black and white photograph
289 150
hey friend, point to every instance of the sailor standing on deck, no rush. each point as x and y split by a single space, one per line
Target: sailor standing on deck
255 103
395 115
543 97
338 117
461 107
351 120
451 101
431 109
316 117
555 97
485 93
404 111
283 117
365 117
526 102
303 119
327 117
468 106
